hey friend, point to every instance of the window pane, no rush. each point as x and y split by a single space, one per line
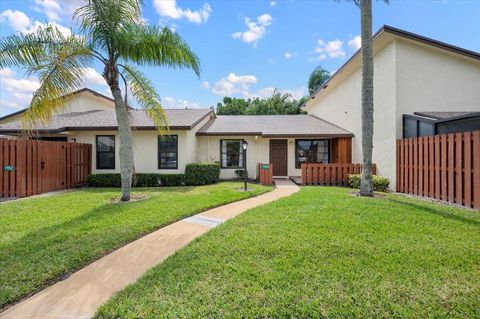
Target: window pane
106 152
167 152
106 160
312 151
303 152
105 143
231 153
425 129
409 128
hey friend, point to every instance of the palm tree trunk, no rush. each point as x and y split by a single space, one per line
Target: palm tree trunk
366 185
124 130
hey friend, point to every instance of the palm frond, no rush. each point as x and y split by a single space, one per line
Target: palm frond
146 96
101 19
60 71
150 45
28 50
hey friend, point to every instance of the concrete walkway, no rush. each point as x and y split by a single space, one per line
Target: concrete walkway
80 295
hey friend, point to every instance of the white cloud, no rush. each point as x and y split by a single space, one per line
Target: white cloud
239 85
355 43
92 77
206 85
11 105
169 9
6 72
55 9
19 90
296 93
20 22
234 84
255 29
273 3
17 20
169 102
50 8
288 55
332 49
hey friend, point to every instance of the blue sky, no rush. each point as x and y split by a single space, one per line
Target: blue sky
246 48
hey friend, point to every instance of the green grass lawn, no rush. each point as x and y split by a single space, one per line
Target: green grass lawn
320 253
42 239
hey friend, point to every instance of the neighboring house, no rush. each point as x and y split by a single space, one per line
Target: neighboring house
194 135
412 74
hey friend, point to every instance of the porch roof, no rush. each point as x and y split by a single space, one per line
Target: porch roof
272 126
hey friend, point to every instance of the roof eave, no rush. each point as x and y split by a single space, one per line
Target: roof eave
403 34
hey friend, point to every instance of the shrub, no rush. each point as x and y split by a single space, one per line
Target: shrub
240 173
380 183
104 180
138 180
202 173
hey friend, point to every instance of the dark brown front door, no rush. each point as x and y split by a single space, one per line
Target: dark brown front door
278 157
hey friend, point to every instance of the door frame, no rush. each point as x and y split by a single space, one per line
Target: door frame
286 153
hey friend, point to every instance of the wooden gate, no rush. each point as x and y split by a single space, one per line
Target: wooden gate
35 167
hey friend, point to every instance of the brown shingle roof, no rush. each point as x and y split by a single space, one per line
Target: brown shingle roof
181 119
272 126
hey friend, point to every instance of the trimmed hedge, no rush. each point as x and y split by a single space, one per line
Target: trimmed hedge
138 180
195 174
202 173
380 183
240 173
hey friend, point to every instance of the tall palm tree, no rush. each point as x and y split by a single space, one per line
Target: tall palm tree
317 78
366 184
111 32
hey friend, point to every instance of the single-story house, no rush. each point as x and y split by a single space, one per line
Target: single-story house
412 74
195 135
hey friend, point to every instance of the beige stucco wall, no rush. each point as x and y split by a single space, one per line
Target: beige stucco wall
86 101
409 77
430 79
342 106
145 150
258 152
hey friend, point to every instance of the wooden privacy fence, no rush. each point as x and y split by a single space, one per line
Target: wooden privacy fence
265 173
444 167
330 174
35 167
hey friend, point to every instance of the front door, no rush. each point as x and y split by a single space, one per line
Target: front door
278 157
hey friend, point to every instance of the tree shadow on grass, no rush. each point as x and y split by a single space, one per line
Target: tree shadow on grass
436 211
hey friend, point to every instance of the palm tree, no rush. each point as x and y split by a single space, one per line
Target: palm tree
317 78
111 32
366 184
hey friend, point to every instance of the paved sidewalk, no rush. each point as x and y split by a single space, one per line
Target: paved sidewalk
80 295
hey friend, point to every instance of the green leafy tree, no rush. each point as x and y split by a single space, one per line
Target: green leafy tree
232 106
112 33
317 78
278 103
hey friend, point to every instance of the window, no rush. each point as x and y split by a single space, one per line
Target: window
312 151
105 151
231 153
168 152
